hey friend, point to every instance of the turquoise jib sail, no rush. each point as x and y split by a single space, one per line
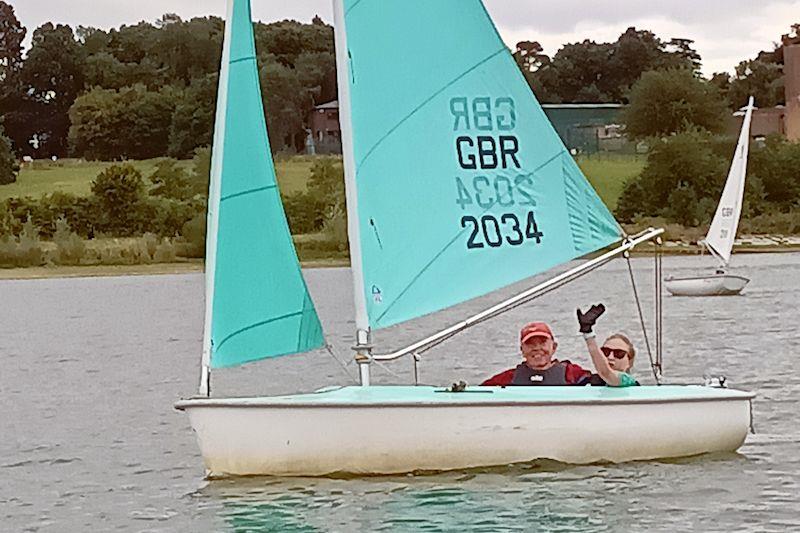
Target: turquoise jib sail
463 185
259 303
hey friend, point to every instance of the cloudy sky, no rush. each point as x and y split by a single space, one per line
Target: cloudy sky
725 31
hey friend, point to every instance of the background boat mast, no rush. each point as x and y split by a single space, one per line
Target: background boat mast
363 342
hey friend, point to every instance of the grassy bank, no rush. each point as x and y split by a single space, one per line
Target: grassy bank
608 173
75 176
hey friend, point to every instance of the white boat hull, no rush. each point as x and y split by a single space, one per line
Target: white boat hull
712 285
373 431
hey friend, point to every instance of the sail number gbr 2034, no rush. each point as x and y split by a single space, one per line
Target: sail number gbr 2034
491 180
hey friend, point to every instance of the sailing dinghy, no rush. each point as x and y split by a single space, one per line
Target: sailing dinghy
456 185
722 232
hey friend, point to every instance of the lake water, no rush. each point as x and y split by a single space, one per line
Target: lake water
89 440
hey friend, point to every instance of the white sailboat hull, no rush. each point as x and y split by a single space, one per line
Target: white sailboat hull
385 430
711 285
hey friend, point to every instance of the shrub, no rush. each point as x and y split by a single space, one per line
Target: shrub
6 221
79 212
335 227
166 217
24 251
194 237
201 170
305 212
681 171
119 194
171 181
165 252
70 248
327 180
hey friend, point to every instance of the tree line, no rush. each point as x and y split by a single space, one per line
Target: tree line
593 72
149 89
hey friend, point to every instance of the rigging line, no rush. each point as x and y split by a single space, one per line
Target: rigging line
387 369
660 316
424 103
329 349
641 321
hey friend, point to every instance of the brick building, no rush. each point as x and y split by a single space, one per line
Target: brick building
791 73
325 135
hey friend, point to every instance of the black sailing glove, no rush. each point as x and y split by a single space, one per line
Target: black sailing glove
587 319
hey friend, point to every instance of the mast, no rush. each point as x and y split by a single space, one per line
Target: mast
363 345
212 218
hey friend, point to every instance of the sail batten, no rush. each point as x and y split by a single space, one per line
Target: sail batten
457 181
258 304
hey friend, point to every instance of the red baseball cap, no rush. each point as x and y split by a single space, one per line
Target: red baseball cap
535 329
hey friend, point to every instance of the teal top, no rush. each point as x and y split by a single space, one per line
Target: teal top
381 396
626 380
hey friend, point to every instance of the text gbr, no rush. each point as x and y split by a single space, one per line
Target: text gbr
508 191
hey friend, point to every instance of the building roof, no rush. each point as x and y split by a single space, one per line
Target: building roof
333 104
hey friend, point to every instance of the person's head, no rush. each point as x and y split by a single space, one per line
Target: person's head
619 352
537 344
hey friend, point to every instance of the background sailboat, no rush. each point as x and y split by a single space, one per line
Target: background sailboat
722 233
456 185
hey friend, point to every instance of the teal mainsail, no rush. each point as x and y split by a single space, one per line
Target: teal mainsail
257 302
462 184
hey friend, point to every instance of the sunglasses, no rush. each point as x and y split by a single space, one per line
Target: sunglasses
608 352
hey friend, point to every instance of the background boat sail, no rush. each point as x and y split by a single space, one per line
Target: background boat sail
722 232
455 188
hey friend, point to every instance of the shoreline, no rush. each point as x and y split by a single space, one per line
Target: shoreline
197 265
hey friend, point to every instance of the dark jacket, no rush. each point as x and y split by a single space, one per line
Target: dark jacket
562 373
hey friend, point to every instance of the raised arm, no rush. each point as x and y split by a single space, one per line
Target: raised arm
587 321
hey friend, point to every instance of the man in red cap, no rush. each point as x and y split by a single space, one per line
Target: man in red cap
538 345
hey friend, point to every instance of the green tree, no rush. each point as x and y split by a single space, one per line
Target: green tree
761 79
130 123
52 77
8 162
601 72
12 34
530 58
12 95
192 122
285 104
187 50
776 166
669 101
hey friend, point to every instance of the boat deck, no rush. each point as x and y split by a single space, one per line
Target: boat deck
398 395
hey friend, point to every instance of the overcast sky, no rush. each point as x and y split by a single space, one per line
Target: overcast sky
725 31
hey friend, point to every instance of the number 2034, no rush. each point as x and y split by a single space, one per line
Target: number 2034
509 229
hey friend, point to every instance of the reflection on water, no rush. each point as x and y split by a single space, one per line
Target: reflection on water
547 495
90 441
